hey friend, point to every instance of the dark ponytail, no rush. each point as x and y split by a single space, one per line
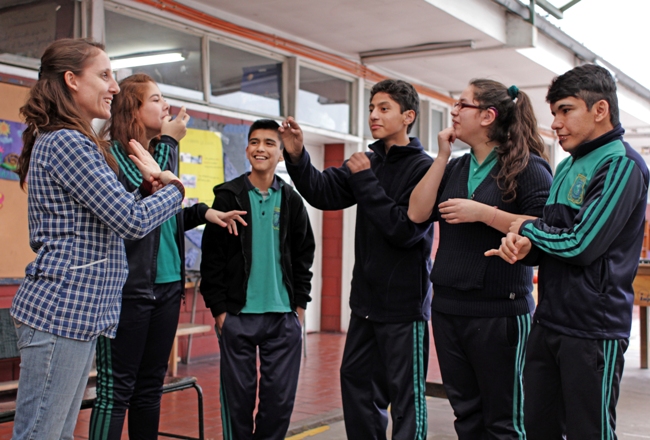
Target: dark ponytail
50 105
514 128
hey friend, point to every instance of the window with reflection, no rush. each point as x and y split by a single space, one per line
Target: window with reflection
436 127
28 27
245 80
415 129
172 58
366 114
324 100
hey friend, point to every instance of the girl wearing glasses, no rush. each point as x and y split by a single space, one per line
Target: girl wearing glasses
481 308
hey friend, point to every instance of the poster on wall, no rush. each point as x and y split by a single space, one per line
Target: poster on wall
11 143
200 165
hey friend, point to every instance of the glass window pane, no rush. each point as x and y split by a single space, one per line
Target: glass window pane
366 114
125 43
436 127
27 28
244 80
415 130
324 100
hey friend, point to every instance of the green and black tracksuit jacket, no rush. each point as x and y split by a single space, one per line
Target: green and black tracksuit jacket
588 241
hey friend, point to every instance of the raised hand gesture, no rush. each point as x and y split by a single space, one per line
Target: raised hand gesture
292 138
149 167
143 160
445 138
176 127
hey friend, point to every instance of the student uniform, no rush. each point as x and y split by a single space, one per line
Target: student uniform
587 245
258 279
386 350
131 368
481 306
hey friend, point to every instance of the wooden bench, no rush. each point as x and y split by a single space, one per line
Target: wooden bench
8 389
184 329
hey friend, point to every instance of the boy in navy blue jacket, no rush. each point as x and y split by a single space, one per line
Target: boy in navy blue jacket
587 245
257 286
386 350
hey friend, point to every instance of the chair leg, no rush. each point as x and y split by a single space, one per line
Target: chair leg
199 396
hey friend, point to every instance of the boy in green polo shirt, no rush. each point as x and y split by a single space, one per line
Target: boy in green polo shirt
257 285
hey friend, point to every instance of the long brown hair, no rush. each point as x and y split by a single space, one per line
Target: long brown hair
514 128
50 105
123 125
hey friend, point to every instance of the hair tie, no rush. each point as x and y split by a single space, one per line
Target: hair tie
513 92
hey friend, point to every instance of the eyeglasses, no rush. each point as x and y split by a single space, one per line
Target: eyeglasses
461 105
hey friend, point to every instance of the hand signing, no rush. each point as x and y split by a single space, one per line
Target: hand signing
513 248
456 211
445 138
177 127
358 162
143 160
292 138
226 219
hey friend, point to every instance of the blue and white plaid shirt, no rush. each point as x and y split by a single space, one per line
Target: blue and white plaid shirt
78 215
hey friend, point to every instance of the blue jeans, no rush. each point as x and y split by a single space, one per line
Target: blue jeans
53 377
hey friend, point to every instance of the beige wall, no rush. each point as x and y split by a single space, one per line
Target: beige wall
14 239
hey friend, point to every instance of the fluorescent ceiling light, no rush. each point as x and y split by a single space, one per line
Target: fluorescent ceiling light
147 59
420 50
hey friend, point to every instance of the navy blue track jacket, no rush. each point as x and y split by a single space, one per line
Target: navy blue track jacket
589 240
390 281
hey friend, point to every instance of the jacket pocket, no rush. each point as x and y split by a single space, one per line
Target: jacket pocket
448 269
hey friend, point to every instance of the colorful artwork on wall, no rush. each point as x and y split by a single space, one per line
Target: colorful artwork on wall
11 144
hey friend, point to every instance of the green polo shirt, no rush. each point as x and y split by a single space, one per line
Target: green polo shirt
266 291
169 260
478 172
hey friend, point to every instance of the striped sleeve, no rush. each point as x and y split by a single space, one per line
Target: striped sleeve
79 168
613 194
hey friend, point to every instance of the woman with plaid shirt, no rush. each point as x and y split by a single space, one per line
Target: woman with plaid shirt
79 215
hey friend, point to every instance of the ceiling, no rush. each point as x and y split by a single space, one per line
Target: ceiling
347 28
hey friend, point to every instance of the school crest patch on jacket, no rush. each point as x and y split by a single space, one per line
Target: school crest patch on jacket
577 191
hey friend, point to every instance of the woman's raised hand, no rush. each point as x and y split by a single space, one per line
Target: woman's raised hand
143 160
149 167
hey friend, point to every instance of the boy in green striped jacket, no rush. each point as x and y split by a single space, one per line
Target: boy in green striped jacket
587 245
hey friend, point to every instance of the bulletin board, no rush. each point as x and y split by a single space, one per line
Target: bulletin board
200 165
15 252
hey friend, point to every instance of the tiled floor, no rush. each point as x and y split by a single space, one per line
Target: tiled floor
319 395
318 391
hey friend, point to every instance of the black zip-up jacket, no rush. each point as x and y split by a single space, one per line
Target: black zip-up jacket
142 254
226 258
390 280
